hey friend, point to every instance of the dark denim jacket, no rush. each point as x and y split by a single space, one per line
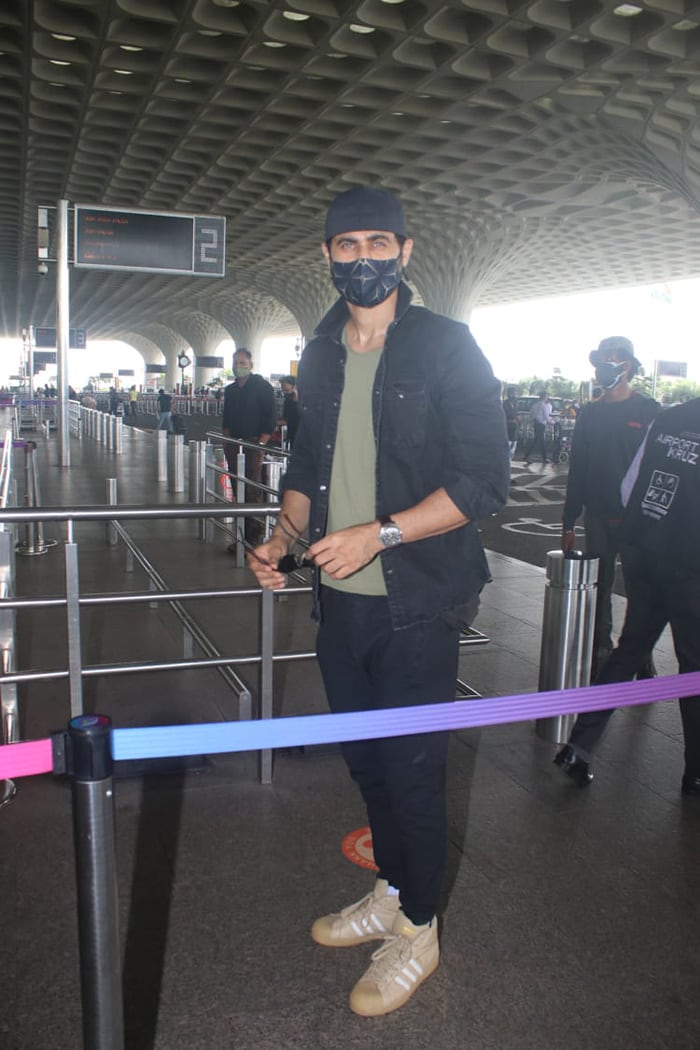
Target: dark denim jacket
438 421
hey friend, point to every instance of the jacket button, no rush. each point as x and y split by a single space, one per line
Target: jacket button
322 488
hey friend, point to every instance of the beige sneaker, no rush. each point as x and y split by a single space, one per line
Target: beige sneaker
410 954
369 919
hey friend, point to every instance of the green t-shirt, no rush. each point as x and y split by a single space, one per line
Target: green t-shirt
352 492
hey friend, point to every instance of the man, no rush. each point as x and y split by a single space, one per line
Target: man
606 437
510 408
662 574
249 415
290 408
540 415
133 400
401 449
165 411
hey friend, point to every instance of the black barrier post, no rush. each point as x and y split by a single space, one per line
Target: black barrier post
84 753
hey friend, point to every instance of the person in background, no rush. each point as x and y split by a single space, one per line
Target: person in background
661 556
606 437
165 411
290 408
540 415
401 449
510 407
133 400
249 414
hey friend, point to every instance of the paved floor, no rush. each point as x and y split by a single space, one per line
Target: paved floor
569 919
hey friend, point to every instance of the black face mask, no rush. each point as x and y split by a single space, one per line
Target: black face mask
609 373
367 282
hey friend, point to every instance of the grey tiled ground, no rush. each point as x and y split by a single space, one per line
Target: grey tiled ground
569 919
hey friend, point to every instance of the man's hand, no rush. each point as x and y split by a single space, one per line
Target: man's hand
342 553
264 561
568 540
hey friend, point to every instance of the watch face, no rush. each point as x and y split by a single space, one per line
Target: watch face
390 535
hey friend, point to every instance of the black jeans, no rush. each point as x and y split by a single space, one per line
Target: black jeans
602 541
658 592
366 666
537 442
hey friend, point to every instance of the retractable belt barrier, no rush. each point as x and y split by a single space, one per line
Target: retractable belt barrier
29 758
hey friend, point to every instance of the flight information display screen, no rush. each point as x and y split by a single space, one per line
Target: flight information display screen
151 242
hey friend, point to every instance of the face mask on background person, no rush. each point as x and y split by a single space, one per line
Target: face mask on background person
609 373
242 371
366 282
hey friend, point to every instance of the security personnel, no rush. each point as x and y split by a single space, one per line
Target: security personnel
659 541
606 437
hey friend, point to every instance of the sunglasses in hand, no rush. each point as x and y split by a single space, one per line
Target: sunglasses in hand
292 562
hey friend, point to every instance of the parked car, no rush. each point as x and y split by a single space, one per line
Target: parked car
526 401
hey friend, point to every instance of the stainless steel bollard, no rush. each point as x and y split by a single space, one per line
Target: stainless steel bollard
162 455
272 470
111 496
197 480
176 463
197 471
33 542
567 632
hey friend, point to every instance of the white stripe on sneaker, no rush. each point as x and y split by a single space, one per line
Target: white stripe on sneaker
368 925
411 975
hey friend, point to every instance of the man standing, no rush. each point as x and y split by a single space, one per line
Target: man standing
606 437
540 415
401 449
165 411
510 407
662 575
249 414
290 408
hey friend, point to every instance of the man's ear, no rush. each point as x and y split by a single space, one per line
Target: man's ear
326 253
406 251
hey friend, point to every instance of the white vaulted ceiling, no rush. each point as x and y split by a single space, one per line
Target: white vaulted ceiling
540 147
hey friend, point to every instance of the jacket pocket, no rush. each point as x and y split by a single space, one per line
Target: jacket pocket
405 413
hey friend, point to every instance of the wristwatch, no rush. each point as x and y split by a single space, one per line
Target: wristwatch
390 535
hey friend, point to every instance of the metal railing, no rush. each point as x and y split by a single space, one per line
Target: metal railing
76 672
36 413
225 486
182 405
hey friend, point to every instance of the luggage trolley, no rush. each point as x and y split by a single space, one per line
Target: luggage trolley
563 431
